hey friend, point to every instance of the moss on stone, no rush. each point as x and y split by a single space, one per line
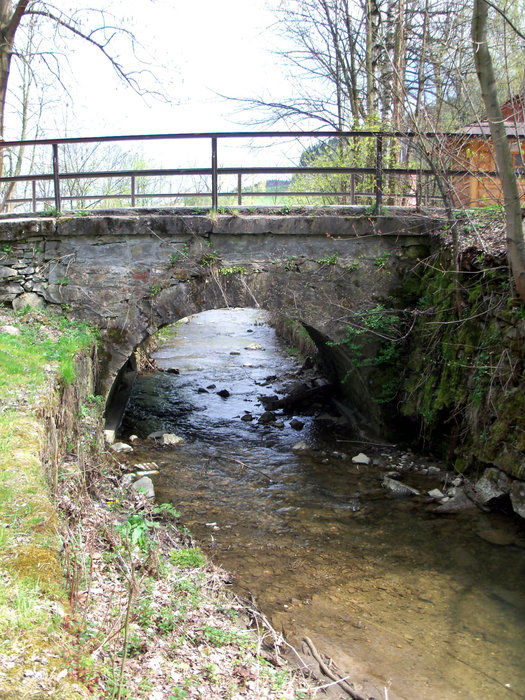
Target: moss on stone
464 381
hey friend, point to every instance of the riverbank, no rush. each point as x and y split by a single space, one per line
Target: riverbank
103 595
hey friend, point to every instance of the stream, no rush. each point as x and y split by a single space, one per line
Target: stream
400 597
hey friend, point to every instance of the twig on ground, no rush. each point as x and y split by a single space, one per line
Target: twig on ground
327 672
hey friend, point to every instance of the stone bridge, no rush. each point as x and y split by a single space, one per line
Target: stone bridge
131 274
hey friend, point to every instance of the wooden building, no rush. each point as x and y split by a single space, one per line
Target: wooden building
472 150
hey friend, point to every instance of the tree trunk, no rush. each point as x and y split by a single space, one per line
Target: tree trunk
485 72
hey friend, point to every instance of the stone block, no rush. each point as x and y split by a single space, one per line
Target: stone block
28 299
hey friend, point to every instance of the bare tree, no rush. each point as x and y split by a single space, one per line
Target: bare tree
89 25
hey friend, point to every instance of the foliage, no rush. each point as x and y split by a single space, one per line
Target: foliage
373 340
328 259
136 530
232 270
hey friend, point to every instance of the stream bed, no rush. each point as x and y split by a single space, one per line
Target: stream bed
400 597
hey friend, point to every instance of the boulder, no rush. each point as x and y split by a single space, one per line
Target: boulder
144 485
517 497
361 458
493 484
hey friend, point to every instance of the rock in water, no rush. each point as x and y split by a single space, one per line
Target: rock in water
396 488
296 424
224 393
121 447
266 417
165 438
300 446
493 484
170 439
459 501
145 486
361 458
254 346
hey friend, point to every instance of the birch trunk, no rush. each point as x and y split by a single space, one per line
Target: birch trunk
486 77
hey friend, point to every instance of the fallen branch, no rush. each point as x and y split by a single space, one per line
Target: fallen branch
253 469
327 672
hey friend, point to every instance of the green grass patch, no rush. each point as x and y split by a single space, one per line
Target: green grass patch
42 341
186 558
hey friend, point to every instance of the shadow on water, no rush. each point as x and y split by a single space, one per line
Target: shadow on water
397 596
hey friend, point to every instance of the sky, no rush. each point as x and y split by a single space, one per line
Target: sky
198 51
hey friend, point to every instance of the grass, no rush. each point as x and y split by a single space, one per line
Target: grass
32 588
25 359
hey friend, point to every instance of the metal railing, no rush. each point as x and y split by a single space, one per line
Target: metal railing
379 177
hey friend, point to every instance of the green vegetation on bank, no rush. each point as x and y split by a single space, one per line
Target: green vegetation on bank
464 380
34 350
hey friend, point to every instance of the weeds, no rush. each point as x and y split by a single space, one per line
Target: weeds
328 259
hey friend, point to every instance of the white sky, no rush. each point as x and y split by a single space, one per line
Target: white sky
197 50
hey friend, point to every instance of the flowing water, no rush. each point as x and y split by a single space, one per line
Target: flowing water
398 596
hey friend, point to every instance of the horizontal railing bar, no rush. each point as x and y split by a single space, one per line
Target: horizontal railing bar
186 195
278 170
247 134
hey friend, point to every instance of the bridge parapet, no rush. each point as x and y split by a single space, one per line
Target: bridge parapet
130 275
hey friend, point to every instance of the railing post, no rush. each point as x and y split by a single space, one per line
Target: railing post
133 190
214 175
56 179
239 189
352 188
378 189
33 195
